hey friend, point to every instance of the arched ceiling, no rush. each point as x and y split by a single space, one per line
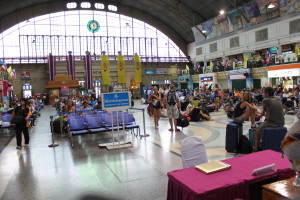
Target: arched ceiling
175 18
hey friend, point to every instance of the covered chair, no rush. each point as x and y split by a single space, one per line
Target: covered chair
193 152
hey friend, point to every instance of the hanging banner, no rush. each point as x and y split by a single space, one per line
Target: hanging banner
105 69
138 69
88 71
121 69
71 66
51 66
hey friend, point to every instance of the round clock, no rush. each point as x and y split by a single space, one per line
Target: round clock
93 26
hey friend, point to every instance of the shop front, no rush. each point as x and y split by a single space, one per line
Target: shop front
240 79
185 82
286 75
207 79
63 86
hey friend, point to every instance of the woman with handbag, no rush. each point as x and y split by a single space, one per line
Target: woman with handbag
155 100
20 121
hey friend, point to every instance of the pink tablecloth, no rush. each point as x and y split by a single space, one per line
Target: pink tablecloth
233 183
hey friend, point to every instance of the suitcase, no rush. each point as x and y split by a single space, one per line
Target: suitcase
233 133
272 137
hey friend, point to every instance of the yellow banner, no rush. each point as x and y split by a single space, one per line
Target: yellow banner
105 69
121 69
137 69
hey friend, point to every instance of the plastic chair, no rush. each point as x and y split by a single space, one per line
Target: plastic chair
107 119
94 124
77 126
193 152
87 114
129 122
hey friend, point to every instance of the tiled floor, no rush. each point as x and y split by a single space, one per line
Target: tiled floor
40 172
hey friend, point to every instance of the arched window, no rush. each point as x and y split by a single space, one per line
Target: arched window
85 30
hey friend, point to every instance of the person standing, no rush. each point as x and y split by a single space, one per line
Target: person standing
216 98
171 100
21 123
155 100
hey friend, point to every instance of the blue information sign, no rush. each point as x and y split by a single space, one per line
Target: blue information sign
115 100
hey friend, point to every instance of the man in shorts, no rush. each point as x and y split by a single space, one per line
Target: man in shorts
272 109
171 100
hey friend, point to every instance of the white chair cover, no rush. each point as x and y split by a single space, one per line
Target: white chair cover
193 152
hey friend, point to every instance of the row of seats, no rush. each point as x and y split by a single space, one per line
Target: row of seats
100 122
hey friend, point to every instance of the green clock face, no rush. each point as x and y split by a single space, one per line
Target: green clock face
93 26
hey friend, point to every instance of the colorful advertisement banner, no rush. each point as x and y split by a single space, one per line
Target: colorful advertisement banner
105 69
25 75
121 69
137 69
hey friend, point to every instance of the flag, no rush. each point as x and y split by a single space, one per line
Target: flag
9 71
226 63
14 73
88 71
121 69
245 60
3 67
187 67
211 65
105 69
71 66
296 49
51 66
137 68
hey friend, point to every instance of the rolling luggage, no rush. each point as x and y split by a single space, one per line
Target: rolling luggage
272 137
252 132
233 133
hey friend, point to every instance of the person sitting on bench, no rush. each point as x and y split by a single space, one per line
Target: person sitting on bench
243 110
272 109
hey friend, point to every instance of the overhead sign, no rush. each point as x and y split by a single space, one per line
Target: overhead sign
161 70
205 79
260 72
149 71
240 71
283 73
64 88
222 75
25 75
237 77
116 101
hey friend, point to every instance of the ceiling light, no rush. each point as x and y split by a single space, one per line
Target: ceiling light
204 31
222 12
271 5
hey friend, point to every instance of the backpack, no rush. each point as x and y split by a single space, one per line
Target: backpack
182 121
244 145
171 98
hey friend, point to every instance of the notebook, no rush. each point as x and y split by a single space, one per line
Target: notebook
212 167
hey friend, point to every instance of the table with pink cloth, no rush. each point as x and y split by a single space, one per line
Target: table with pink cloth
191 183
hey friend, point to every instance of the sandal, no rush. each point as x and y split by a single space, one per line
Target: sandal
177 129
170 129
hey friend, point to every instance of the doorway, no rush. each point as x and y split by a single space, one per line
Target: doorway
239 84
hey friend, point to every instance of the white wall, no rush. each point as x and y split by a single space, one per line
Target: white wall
278 34
191 51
